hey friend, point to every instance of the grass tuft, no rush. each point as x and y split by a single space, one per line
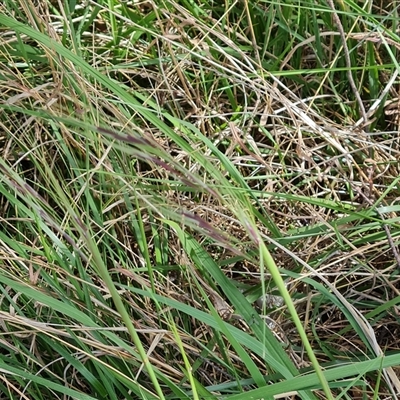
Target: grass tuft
199 200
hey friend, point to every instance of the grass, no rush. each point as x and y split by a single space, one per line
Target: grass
199 200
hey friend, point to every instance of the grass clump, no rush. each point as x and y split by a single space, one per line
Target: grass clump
199 200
